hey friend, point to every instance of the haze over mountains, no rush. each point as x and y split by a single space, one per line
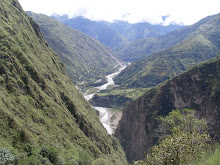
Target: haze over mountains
117 33
98 30
193 44
142 48
136 31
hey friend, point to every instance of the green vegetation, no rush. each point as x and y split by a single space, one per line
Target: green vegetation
187 139
198 89
116 98
6 157
200 43
98 30
44 119
137 31
86 59
117 33
130 93
142 48
210 158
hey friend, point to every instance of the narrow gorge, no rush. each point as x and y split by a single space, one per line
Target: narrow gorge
105 113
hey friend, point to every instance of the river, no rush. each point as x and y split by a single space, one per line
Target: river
104 113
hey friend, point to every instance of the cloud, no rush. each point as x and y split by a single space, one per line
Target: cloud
153 11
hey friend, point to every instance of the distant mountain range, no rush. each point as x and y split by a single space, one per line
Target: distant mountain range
98 30
193 45
118 33
140 49
85 59
136 31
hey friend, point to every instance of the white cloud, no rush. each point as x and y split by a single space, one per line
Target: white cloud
184 11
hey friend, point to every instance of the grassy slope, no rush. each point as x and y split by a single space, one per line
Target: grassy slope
39 106
210 158
85 58
173 61
142 48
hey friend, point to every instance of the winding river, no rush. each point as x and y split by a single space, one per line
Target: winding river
104 113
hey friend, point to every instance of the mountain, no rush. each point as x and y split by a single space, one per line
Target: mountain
197 89
140 49
202 44
85 58
118 33
136 31
98 30
44 119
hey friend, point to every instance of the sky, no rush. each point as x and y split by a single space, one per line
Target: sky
164 12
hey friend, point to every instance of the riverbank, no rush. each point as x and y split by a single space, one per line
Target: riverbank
105 113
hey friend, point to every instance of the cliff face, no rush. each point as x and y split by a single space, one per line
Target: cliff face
44 119
110 101
198 89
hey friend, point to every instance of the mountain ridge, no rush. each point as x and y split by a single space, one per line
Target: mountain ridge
142 48
111 32
158 67
97 30
136 31
198 89
86 59
44 119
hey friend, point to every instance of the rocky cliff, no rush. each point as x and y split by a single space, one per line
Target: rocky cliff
110 101
198 89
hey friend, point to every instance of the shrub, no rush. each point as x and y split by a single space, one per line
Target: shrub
6 157
51 153
186 138
99 161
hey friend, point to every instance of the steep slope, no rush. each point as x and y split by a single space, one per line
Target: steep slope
136 31
85 58
98 30
142 48
44 119
203 45
198 89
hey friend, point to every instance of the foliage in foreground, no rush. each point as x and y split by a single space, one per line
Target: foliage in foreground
187 139
212 158
6 157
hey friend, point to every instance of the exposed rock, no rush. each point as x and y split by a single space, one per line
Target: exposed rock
110 101
198 89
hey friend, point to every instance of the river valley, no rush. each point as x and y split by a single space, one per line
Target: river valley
105 114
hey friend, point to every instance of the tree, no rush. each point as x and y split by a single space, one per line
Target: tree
186 138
